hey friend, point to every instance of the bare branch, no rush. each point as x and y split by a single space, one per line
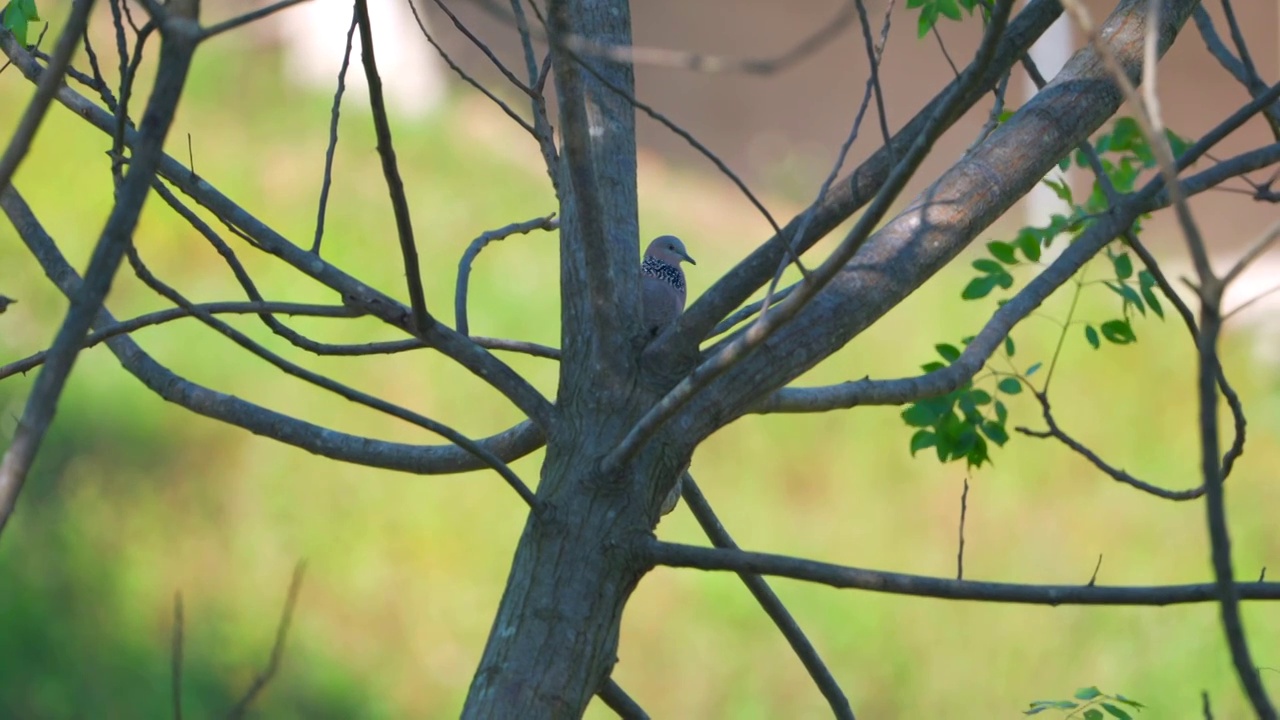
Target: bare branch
466 77
1256 248
248 17
850 193
620 702
683 134
277 649
1114 473
509 445
25 132
168 315
937 225
333 130
547 223
175 60
354 293
538 99
1232 65
700 62
395 186
344 391
841 576
769 601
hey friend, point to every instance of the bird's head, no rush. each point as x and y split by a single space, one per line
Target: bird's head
668 249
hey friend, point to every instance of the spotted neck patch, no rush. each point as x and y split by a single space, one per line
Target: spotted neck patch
669 274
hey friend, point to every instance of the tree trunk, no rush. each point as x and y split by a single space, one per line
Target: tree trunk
554 640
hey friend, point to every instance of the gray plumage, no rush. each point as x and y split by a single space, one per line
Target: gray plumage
662 286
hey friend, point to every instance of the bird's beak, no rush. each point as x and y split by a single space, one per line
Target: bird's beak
686 257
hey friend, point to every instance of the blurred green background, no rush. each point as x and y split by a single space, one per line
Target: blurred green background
134 499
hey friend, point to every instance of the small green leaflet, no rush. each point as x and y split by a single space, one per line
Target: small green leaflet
16 16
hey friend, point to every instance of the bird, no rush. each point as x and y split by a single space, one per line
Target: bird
662 295
662 286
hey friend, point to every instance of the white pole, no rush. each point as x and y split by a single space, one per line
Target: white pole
1050 54
314 34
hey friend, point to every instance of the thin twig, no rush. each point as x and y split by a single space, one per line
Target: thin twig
170 314
700 62
277 649
333 133
547 223
248 17
1093 579
175 659
964 508
395 186
466 77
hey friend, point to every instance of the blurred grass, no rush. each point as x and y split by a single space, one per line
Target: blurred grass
134 499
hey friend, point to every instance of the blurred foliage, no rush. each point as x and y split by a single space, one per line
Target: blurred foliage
134 499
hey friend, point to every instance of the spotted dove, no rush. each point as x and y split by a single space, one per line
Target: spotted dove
662 296
662 288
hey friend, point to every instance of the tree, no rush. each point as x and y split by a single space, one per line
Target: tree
631 409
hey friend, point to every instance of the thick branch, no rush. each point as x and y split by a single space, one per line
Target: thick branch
854 190
942 221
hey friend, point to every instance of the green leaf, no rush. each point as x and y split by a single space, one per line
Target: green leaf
1130 295
1002 413
979 287
1009 386
1009 347
1032 370
1152 301
990 267
1088 693
1093 714
1091 335
980 397
948 352
1030 246
995 431
1003 252
949 8
1116 712
920 415
928 17
1123 266
15 21
931 366
1118 332
1004 280
921 440
1130 703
